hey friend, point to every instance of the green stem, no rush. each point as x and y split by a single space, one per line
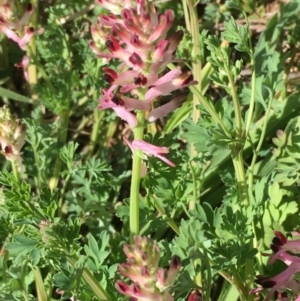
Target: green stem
196 65
209 276
186 15
32 70
41 292
90 279
134 223
192 203
259 145
252 100
98 117
15 170
236 103
196 52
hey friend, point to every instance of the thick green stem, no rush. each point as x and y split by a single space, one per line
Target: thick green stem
196 65
134 224
252 100
236 104
40 288
32 70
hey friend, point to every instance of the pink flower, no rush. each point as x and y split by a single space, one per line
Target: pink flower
122 106
24 64
165 109
12 135
284 280
7 15
149 282
168 83
150 150
21 41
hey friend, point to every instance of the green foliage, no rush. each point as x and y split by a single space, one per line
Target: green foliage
66 211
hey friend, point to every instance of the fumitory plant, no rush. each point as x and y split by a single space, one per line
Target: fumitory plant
149 150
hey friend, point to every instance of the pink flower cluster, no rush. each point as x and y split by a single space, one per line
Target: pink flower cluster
136 35
285 280
149 281
12 135
11 26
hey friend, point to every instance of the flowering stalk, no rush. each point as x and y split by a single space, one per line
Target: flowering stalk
136 179
136 34
12 135
149 282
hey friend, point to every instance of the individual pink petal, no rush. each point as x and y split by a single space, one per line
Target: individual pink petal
121 111
174 40
168 77
135 104
130 146
27 36
165 23
24 65
28 12
9 33
152 150
126 115
179 82
166 108
138 43
298 298
123 288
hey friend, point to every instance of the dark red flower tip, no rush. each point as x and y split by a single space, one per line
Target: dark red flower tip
117 100
7 149
175 263
188 79
276 244
136 289
135 59
30 30
178 35
29 7
112 44
264 281
135 41
126 14
108 78
281 237
145 256
122 287
140 80
280 295
195 296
